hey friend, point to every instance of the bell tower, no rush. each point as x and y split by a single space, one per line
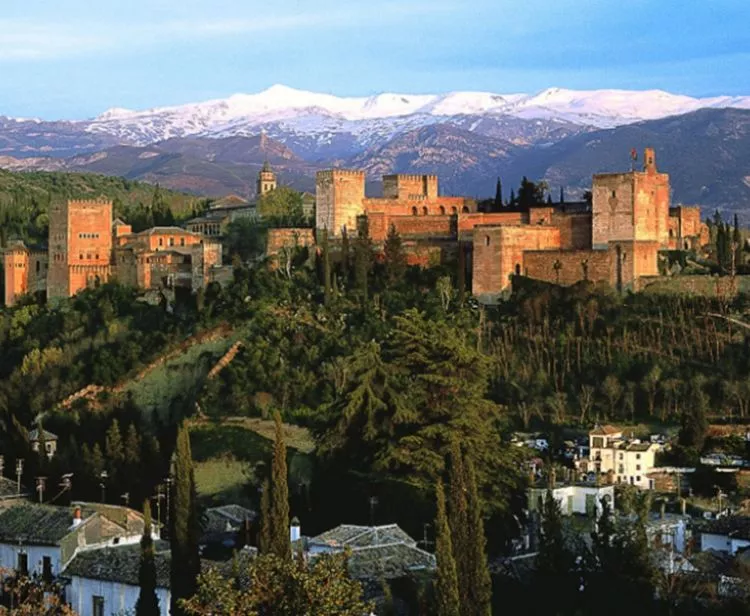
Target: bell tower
266 180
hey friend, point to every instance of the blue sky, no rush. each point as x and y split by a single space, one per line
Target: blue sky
76 58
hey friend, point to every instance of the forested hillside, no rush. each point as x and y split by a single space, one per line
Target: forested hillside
25 199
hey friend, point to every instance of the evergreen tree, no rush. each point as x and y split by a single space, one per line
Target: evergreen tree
279 511
555 561
512 201
498 195
326 268
549 199
461 272
185 563
562 195
446 584
113 448
132 447
737 243
458 516
362 261
480 582
264 537
395 259
148 602
345 256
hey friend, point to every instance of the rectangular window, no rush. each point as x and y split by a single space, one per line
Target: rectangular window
47 568
637 467
637 456
598 442
621 456
97 604
23 563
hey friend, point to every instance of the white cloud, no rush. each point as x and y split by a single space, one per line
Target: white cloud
23 40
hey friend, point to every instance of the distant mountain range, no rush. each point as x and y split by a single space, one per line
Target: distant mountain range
468 138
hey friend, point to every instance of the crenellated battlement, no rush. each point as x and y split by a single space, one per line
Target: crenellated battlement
332 173
75 203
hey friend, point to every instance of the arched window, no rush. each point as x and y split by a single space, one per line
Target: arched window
518 269
465 210
486 240
671 233
424 211
454 210
442 211
414 211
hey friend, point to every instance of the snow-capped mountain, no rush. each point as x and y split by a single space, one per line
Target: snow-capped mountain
322 126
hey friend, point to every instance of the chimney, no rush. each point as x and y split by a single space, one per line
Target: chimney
294 530
77 517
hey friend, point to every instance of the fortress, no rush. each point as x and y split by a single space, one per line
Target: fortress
87 247
615 238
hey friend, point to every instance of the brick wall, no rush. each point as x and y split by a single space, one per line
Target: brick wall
498 252
411 227
575 229
572 265
440 206
467 222
15 272
288 238
404 186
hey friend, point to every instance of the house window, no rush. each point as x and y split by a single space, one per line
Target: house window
97 606
161 241
637 467
46 568
638 478
23 563
597 442
171 241
182 241
637 456
620 456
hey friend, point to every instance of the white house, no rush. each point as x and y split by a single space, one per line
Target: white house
42 539
104 582
626 461
575 498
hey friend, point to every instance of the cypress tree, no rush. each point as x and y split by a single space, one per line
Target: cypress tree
345 256
395 259
132 447
264 538
499 195
446 590
185 565
326 268
279 511
480 582
461 273
458 519
512 201
362 261
148 602
562 195
114 449
549 199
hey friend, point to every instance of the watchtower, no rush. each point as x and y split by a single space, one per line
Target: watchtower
339 197
266 180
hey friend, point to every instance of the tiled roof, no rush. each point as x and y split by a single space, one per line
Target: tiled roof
37 524
605 431
48 436
736 526
9 488
226 519
351 536
389 561
120 564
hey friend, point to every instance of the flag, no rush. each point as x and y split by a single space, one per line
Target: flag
633 154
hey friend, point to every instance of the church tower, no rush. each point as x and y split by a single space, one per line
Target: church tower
266 180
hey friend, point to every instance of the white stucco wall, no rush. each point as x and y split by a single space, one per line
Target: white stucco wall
579 496
118 598
722 543
35 553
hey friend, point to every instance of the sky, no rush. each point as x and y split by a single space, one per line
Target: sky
73 59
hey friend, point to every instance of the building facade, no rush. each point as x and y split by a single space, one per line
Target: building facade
86 248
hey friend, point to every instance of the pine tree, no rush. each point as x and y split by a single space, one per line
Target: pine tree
498 195
264 538
185 563
113 447
395 259
279 516
458 516
446 585
132 447
480 582
148 602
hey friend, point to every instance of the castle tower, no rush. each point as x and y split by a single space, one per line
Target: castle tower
632 206
80 246
16 272
266 180
339 199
